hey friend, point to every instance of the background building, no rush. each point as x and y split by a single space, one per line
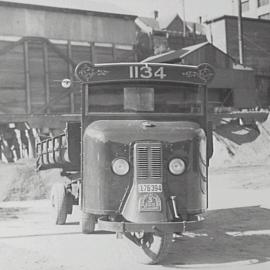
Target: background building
259 9
233 85
40 46
157 35
256 40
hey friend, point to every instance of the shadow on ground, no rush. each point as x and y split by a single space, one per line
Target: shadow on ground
238 134
229 235
11 212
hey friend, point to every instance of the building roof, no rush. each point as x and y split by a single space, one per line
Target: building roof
69 5
165 22
199 28
235 18
175 55
150 22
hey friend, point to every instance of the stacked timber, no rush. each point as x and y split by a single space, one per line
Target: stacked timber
17 140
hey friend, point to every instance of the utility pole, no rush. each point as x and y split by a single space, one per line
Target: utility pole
184 17
240 33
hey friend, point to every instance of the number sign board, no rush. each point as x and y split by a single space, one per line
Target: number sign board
100 73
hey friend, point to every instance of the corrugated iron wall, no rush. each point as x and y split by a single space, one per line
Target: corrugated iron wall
31 70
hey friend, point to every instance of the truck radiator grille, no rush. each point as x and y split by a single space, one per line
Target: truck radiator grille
148 162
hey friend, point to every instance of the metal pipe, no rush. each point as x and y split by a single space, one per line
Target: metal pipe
70 73
240 33
174 207
184 18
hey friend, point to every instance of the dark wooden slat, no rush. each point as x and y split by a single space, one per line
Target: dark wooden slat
70 72
135 55
61 54
39 121
46 76
55 100
81 53
27 77
93 53
103 54
122 55
11 46
113 53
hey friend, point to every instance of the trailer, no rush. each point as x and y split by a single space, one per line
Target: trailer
64 152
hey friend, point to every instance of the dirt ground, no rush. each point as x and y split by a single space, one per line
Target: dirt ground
236 233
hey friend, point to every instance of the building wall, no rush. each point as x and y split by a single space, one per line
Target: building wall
230 87
177 25
242 82
41 47
72 25
256 40
211 55
216 34
31 70
263 90
176 41
254 10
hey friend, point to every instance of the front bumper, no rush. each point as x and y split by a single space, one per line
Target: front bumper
168 227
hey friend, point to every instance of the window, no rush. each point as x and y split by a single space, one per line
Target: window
265 16
263 2
245 5
151 98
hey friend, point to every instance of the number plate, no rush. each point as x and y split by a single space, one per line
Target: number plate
149 188
149 202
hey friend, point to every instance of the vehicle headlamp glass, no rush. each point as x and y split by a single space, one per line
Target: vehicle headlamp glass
120 166
177 166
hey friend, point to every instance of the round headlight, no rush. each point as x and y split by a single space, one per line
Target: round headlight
120 166
177 166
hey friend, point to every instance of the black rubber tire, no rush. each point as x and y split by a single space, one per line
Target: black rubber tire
69 202
59 203
154 254
88 223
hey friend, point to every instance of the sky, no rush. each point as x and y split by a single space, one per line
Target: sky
207 9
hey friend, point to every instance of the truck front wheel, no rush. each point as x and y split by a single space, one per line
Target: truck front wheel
88 223
59 202
149 248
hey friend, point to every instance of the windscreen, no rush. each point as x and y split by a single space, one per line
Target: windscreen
145 99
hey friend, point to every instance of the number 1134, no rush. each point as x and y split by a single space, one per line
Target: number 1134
146 72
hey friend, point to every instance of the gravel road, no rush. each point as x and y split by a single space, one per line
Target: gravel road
236 233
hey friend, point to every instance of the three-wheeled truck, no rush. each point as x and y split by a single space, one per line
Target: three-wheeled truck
138 160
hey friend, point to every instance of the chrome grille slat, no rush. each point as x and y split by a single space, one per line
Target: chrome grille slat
148 162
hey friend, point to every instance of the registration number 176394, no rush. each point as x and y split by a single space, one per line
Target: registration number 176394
149 188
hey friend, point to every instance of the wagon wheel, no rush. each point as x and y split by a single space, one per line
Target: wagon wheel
149 248
88 223
59 202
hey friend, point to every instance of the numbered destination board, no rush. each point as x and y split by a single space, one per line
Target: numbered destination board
128 72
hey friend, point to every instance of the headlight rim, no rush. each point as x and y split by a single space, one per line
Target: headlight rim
184 167
113 166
